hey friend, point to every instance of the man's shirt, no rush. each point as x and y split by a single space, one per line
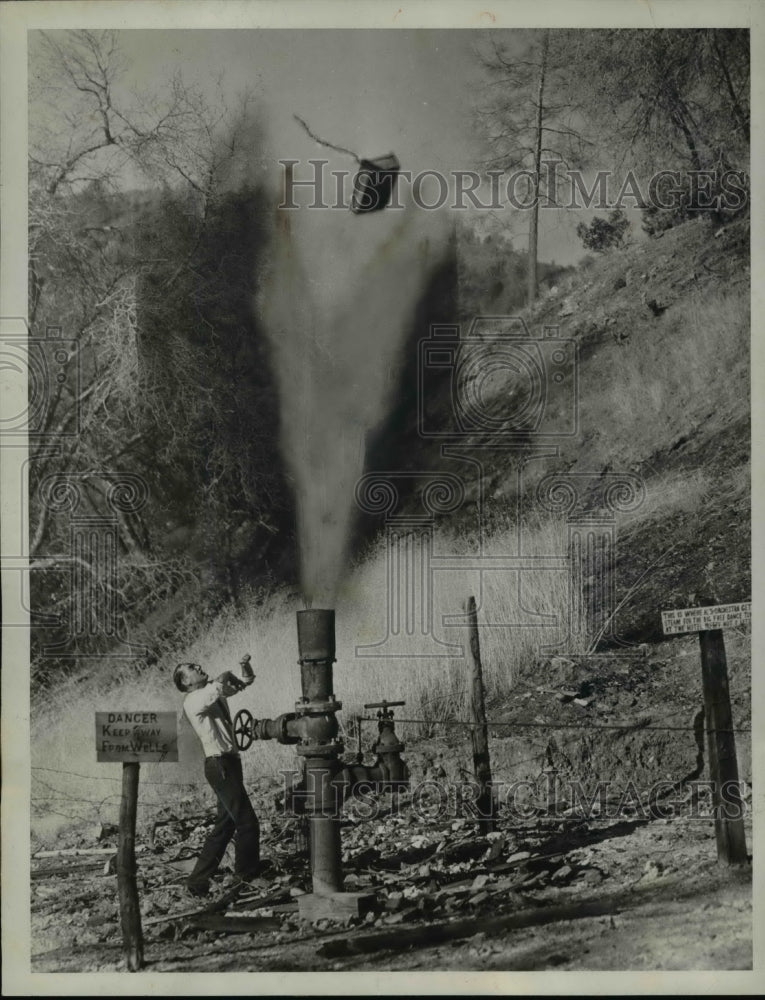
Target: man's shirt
207 710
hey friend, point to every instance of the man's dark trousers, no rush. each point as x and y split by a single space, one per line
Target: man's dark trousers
235 816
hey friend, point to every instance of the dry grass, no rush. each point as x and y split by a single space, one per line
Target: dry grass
687 367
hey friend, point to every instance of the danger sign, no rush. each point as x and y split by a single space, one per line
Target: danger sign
705 619
136 736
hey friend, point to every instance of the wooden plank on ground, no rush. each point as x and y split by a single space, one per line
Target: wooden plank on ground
235 924
425 935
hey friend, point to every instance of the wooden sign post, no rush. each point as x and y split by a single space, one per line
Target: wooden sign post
709 622
479 730
132 737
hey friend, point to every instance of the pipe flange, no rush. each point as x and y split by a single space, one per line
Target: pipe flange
328 750
317 707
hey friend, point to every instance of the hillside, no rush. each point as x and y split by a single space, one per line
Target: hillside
662 334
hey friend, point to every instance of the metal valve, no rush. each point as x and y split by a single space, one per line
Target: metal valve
244 729
385 707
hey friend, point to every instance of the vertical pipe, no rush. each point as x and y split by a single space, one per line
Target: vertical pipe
316 643
326 871
324 826
130 912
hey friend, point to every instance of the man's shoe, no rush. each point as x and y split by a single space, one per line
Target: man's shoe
250 885
263 869
198 889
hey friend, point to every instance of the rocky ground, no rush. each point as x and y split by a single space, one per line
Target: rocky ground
631 882
620 894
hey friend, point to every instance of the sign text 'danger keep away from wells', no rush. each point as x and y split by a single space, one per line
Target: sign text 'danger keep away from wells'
136 736
705 619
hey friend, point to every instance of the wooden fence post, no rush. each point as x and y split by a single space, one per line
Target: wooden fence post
479 730
130 912
721 745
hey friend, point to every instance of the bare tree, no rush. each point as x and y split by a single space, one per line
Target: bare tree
131 199
530 117
667 98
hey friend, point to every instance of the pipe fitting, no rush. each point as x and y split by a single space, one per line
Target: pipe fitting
281 729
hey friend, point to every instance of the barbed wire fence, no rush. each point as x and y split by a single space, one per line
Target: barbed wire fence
49 797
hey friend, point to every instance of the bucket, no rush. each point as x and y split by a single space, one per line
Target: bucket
373 184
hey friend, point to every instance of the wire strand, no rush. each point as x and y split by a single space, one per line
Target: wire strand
562 725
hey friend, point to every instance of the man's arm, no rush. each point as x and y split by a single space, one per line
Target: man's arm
201 699
233 684
230 683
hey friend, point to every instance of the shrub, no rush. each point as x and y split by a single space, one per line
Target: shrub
604 234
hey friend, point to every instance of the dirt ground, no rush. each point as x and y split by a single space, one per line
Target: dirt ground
615 894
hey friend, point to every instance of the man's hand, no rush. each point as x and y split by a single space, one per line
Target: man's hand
231 683
248 676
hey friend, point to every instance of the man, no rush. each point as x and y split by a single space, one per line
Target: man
207 710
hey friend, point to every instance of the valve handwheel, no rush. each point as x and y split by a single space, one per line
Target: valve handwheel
243 729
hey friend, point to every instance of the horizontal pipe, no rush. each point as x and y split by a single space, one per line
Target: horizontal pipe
319 729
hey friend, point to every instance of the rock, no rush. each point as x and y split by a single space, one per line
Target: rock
478 898
519 856
651 871
563 872
479 882
394 901
656 305
496 848
562 664
591 876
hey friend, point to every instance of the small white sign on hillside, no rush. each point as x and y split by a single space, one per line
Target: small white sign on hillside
704 619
